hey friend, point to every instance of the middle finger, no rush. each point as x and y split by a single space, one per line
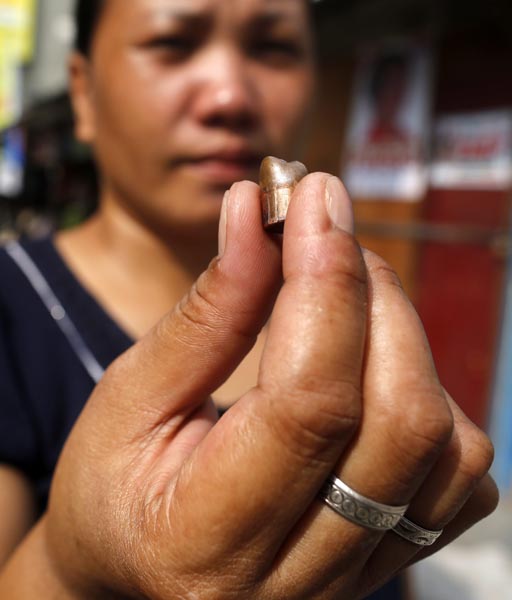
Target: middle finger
406 424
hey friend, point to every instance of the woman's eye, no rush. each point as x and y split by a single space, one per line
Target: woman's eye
175 46
278 51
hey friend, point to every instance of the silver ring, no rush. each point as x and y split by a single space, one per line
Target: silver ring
359 509
416 534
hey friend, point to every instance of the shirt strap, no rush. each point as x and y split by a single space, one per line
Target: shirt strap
57 312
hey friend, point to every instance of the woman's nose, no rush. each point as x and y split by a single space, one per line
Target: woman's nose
226 95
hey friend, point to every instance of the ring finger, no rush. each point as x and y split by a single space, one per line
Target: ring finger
453 480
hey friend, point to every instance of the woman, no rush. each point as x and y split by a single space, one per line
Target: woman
176 113
180 100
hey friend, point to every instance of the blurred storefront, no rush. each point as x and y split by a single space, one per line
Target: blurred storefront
415 112
417 117
46 178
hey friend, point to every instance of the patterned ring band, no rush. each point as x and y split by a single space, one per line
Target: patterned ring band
359 509
416 534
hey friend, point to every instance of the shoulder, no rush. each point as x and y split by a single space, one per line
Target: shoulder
27 325
10 275
19 300
17 439
15 258
23 317
42 385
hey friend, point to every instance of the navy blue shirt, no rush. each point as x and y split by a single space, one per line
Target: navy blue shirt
43 384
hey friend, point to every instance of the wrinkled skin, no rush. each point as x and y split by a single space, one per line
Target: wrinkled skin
153 498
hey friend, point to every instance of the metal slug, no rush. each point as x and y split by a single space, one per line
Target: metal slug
278 179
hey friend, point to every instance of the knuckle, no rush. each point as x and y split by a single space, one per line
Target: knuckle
477 451
343 266
486 497
381 271
315 415
426 427
387 276
198 308
203 309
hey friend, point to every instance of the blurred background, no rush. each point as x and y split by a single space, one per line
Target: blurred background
415 113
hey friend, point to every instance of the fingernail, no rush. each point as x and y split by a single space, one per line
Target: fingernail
223 224
339 207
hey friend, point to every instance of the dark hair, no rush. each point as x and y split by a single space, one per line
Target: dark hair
87 14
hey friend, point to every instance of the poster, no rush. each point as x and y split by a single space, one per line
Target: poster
17 18
16 48
473 151
11 99
385 153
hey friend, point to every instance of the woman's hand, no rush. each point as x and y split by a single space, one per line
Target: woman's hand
153 498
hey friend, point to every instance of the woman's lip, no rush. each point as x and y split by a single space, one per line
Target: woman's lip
223 170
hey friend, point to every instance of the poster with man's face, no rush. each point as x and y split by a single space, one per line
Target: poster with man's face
385 153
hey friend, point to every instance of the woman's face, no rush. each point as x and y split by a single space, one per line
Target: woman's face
180 98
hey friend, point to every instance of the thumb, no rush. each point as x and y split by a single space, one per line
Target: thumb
192 351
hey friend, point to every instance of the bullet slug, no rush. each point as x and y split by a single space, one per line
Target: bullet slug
278 179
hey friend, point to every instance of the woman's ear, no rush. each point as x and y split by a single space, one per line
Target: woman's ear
81 92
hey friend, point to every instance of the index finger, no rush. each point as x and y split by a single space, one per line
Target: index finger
275 448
